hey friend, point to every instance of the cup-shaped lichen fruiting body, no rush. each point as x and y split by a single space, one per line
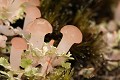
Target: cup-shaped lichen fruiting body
38 29
71 35
18 46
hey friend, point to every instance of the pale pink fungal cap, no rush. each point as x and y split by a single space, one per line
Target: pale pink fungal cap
72 34
38 29
32 13
19 43
39 26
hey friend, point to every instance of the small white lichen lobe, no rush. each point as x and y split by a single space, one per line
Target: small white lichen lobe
3 40
11 10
